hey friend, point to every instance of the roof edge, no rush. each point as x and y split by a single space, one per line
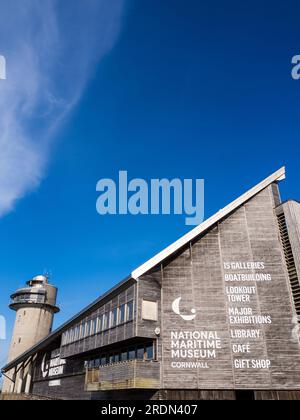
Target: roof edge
58 331
277 176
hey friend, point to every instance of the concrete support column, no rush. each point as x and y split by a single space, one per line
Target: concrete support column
19 381
8 384
28 379
13 384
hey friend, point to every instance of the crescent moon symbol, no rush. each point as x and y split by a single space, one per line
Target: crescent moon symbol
176 310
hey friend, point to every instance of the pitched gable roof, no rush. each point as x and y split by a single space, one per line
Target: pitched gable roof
175 246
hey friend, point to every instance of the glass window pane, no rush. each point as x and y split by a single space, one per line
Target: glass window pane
113 317
87 329
110 319
93 326
81 332
105 322
117 314
98 328
129 311
124 355
122 314
150 351
76 334
131 353
140 352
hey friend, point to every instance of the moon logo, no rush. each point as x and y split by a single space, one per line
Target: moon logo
45 367
176 310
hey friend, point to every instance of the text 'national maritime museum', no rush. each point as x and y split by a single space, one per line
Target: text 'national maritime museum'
215 315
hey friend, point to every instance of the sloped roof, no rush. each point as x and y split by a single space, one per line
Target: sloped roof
58 332
175 246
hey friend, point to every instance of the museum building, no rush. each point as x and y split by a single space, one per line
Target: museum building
216 315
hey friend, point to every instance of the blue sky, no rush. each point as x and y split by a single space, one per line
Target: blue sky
162 89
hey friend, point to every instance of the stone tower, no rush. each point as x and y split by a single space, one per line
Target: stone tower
35 306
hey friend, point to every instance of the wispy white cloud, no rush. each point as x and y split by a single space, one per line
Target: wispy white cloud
51 49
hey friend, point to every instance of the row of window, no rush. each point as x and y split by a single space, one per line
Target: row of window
29 298
140 352
111 319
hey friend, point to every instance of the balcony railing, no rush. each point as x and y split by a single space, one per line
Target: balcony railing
133 374
27 299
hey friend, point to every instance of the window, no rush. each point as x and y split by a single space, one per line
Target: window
131 353
140 354
105 322
150 351
122 314
117 316
117 357
81 333
129 311
149 310
93 326
113 317
124 355
87 329
99 321
76 335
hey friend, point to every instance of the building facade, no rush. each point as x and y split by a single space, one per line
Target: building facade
213 316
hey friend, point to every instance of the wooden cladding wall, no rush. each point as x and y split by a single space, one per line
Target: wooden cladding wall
109 336
267 354
135 374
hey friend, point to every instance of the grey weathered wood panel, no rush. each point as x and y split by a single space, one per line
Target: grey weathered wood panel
250 234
